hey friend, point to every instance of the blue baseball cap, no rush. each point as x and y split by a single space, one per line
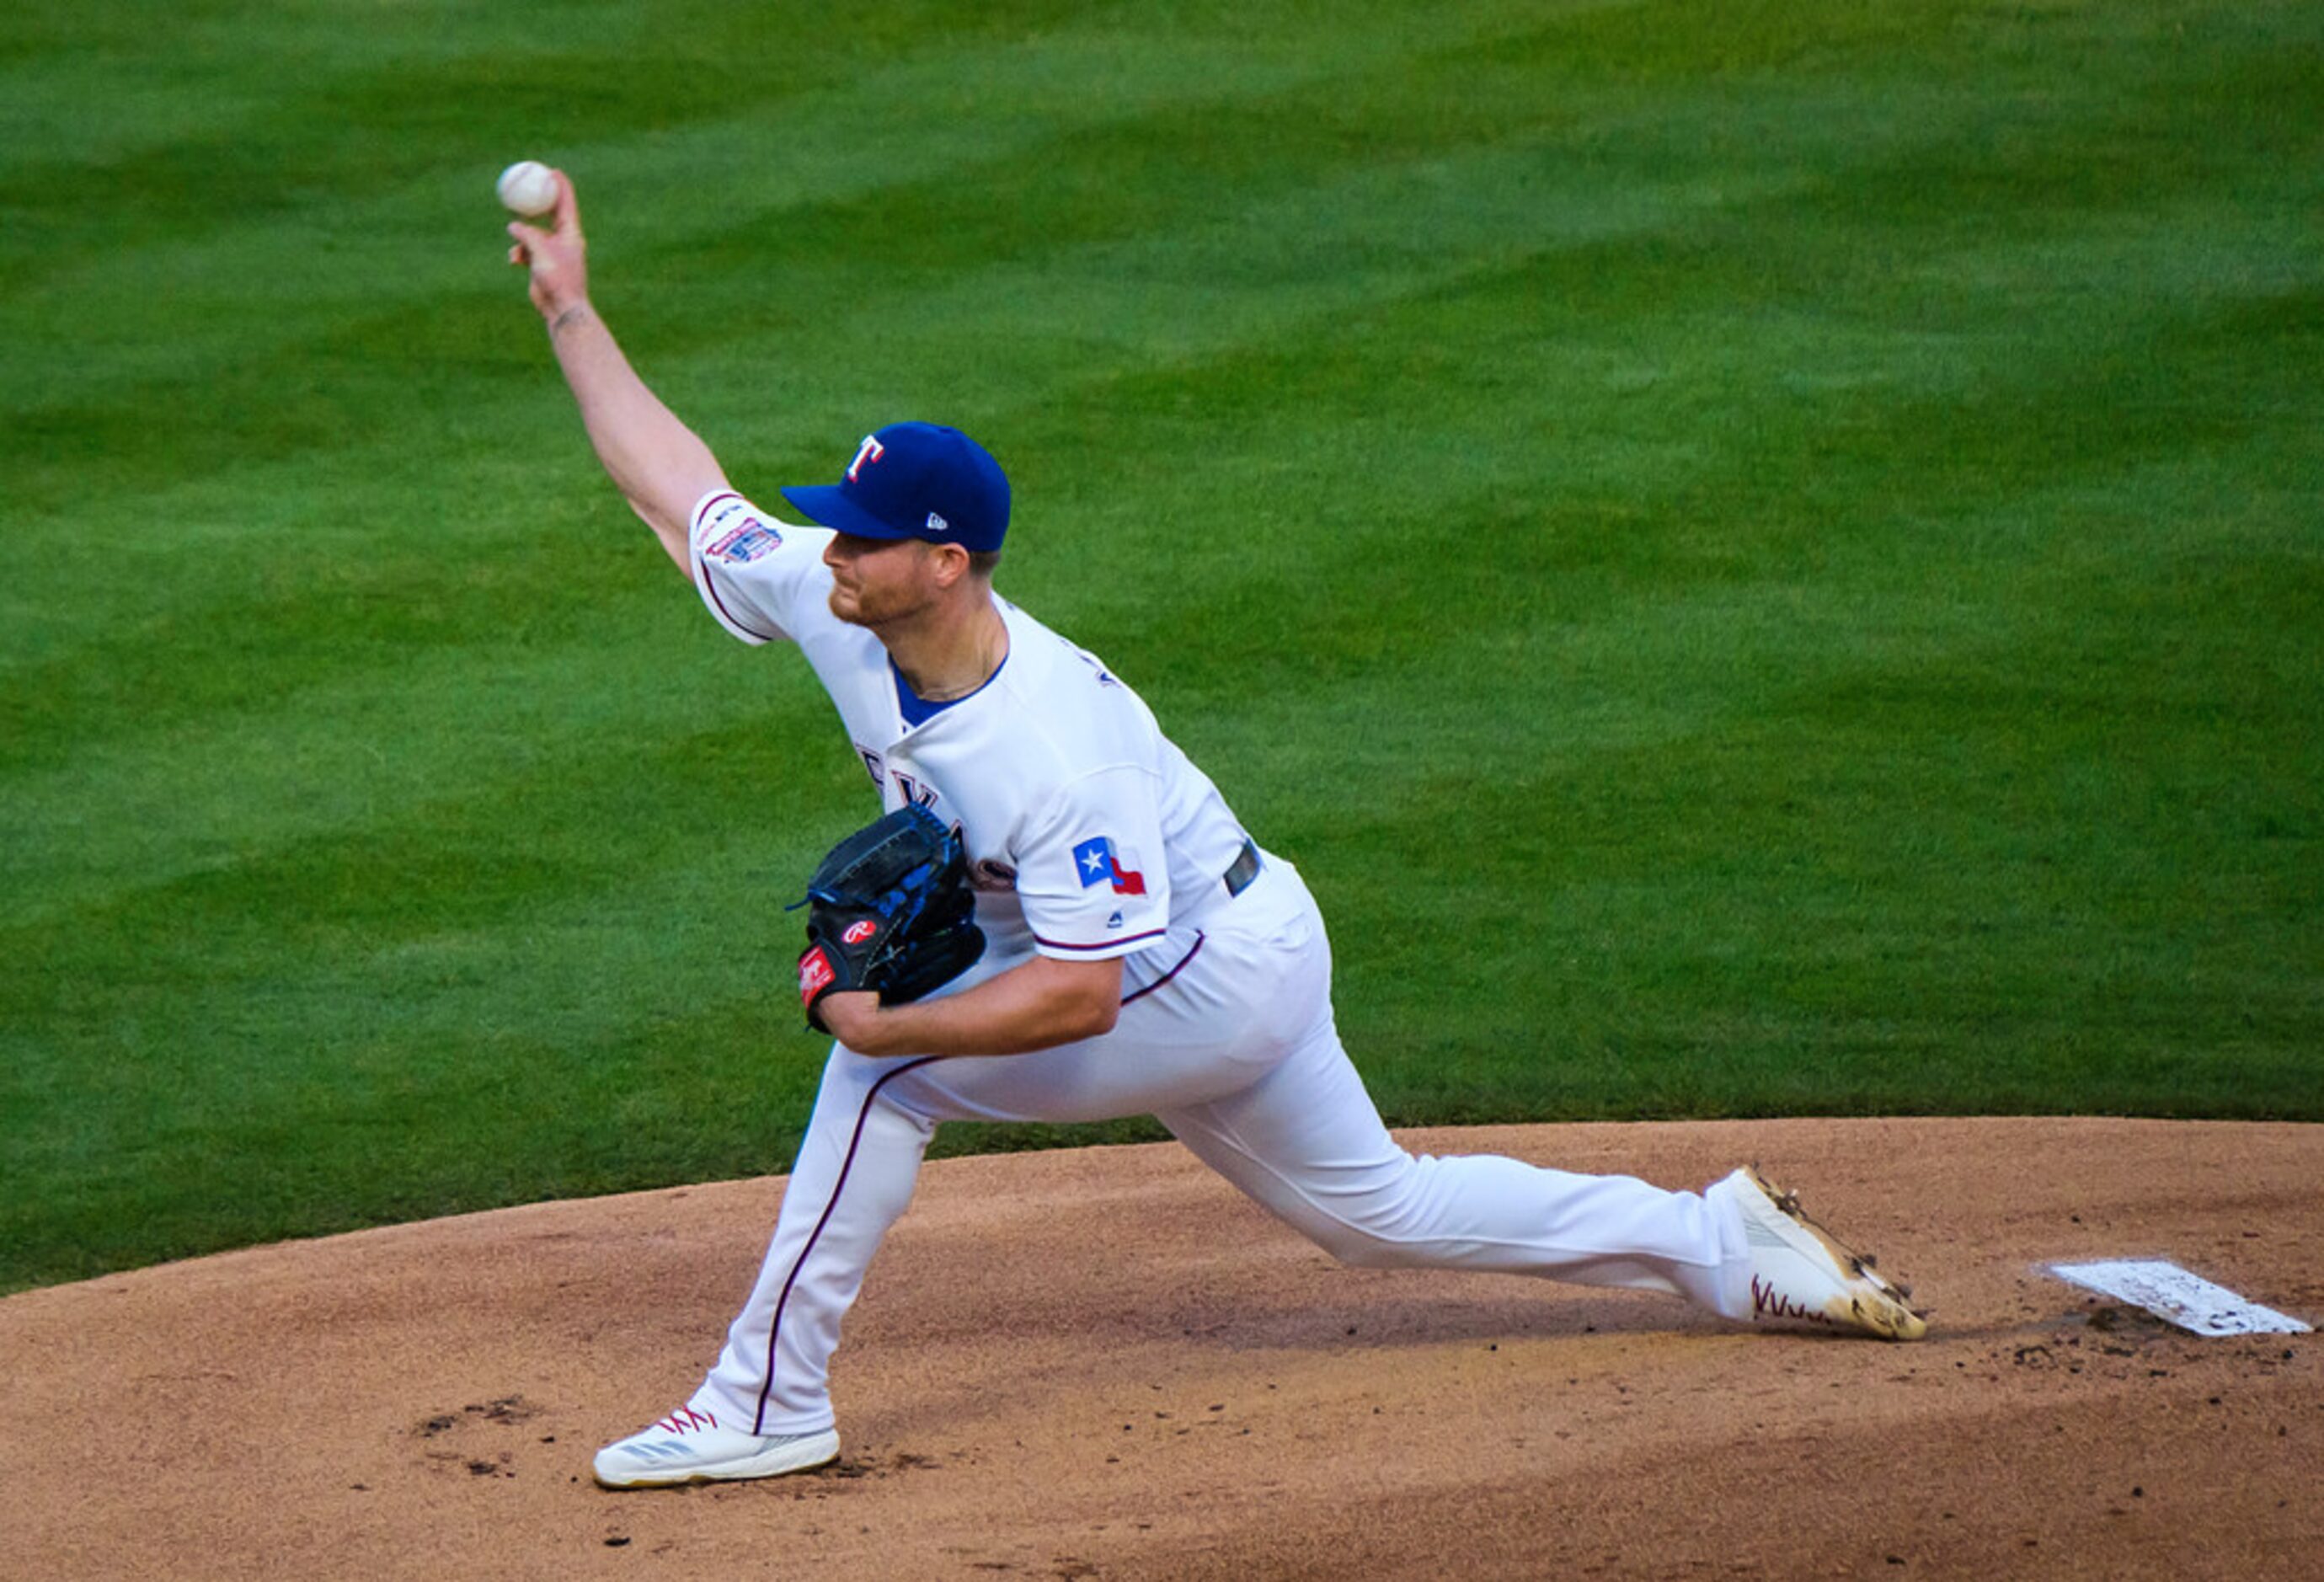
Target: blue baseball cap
915 481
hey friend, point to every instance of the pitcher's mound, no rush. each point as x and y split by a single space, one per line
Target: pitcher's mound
1105 1364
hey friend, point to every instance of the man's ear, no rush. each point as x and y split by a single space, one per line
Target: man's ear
951 564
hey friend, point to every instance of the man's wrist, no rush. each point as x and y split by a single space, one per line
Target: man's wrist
571 315
858 1020
883 1028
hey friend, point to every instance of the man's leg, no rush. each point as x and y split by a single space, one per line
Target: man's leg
854 1174
1306 1142
762 1410
862 1156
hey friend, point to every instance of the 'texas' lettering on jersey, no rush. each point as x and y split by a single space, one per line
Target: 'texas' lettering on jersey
983 872
915 791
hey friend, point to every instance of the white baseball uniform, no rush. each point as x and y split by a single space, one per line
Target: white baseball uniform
1092 835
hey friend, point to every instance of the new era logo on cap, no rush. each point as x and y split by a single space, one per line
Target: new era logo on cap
915 481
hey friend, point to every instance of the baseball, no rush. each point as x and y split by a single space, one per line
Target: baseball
528 187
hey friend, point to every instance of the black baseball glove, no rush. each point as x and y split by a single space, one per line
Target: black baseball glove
890 911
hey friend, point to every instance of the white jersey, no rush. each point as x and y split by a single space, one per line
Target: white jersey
1088 833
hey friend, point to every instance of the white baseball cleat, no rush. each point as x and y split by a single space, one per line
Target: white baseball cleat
689 1447
1800 1272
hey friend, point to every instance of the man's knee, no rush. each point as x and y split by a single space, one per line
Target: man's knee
1367 1241
1358 1250
1386 1225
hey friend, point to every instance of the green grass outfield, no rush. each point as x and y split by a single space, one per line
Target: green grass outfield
1762 558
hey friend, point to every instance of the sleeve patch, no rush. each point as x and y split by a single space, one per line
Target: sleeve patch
739 545
1098 863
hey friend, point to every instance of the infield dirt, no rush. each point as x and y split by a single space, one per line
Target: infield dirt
1105 1364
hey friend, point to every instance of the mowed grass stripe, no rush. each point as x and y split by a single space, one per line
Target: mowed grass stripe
363 110
368 213
365 101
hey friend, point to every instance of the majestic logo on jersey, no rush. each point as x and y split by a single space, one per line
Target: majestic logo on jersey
1098 864
866 454
745 543
992 873
860 930
1104 676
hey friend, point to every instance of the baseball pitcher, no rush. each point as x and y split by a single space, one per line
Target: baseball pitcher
1141 953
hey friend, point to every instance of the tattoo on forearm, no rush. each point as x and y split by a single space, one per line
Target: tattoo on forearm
572 315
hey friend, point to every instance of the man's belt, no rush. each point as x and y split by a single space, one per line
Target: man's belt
1242 870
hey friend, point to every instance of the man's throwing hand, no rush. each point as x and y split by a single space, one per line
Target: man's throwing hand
560 276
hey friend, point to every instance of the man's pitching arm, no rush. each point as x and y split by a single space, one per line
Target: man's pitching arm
1035 1005
660 465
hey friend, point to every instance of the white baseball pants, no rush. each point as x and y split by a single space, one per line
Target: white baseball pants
1226 1036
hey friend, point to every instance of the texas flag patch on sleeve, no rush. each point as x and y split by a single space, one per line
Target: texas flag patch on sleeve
1098 864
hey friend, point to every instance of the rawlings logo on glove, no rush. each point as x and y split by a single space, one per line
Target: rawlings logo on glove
890 911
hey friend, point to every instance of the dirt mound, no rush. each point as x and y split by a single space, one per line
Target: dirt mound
1105 1364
